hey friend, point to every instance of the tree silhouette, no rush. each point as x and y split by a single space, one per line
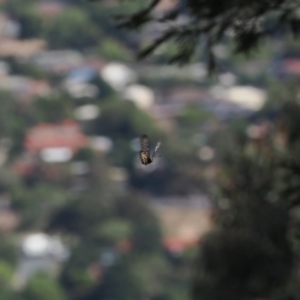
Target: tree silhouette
198 25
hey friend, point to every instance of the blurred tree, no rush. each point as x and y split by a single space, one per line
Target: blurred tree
152 271
191 119
53 108
123 120
26 69
254 250
121 276
8 256
6 272
207 23
37 203
14 127
147 236
84 154
42 287
6 275
113 231
114 50
30 21
64 30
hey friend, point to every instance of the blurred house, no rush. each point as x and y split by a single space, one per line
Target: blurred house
182 95
164 115
39 253
9 28
77 82
171 102
260 131
196 71
5 146
83 73
118 75
141 95
24 88
166 104
118 175
287 65
184 220
165 5
50 9
253 68
40 244
87 112
55 142
292 66
79 168
24 165
234 101
21 48
248 97
58 61
101 143
81 89
176 245
4 68
95 63
9 219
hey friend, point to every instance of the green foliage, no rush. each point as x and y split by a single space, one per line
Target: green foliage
75 276
240 265
42 287
114 230
6 275
26 69
68 26
152 272
30 21
84 154
13 127
114 50
7 293
191 119
6 272
8 256
147 236
37 203
122 119
123 277
253 249
53 109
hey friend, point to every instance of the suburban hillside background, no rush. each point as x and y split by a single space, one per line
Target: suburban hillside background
81 218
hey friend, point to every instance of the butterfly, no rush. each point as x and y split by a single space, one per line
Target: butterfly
145 150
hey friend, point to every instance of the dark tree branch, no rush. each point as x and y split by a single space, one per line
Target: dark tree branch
211 20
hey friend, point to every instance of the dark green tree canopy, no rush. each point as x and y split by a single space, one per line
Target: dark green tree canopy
197 25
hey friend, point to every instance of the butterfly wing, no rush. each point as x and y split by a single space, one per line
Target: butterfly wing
144 157
156 149
145 150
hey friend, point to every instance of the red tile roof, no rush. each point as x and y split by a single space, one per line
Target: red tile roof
292 66
46 135
178 244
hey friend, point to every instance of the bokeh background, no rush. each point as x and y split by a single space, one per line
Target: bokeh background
215 216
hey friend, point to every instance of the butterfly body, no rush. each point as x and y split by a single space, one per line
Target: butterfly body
145 157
